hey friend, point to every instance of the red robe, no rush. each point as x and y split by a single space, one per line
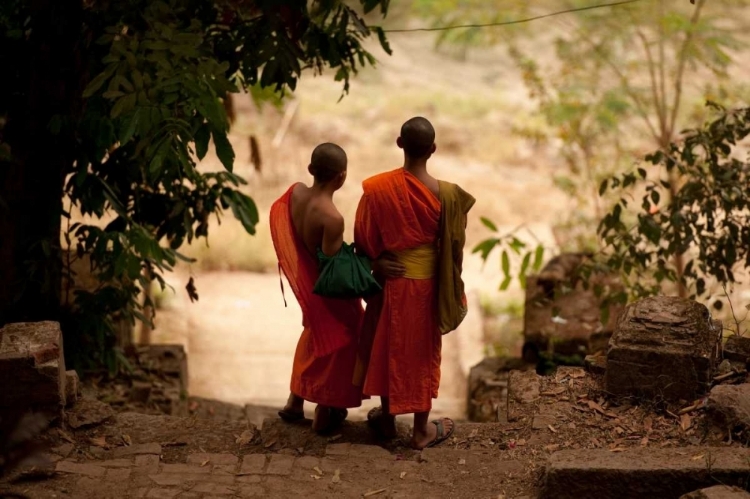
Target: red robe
327 350
397 212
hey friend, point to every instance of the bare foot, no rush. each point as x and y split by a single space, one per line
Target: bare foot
322 419
384 424
431 435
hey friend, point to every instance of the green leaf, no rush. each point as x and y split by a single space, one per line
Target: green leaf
506 283
202 137
224 149
603 187
95 84
505 265
538 258
488 223
485 247
517 245
130 123
383 40
524 269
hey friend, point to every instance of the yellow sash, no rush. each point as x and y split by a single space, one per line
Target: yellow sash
420 262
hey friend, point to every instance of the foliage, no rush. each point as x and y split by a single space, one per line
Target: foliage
510 244
707 219
621 78
152 107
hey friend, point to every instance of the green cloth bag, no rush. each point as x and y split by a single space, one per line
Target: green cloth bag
345 275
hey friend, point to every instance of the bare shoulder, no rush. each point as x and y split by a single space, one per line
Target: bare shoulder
332 219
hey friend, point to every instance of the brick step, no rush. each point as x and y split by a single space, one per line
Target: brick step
645 472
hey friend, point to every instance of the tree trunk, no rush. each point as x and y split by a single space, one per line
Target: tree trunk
31 182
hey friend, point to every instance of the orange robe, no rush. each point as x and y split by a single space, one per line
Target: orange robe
397 212
327 350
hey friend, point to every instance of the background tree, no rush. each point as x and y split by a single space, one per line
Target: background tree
617 84
112 104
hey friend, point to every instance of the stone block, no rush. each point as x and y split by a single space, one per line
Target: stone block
718 492
523 394
147 463
338 449
280 465
663 348
80 468
185 468
32 368
488 387
641 472
72 388
136 449
737 348
729 406
220 459
253 464
596 364
88 412
118 474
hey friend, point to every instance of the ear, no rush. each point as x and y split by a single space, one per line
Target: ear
433 149
310 169
399 143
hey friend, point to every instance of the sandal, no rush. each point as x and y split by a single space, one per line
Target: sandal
373 421
441 436
289 416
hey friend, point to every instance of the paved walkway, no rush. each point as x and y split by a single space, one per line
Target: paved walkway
346 470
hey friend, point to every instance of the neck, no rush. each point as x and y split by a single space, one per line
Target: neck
413 165
323 189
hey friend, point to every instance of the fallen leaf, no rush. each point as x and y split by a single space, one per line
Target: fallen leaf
204 463
619 430
318 471
99 442
334 438
648 424
402 475
245 438
699 456
551 393
521 442
598 408
644 441
462 461
127 440
617 449
551 428
316 477
270 444
552 447
686 422
336 476
577 373
474 433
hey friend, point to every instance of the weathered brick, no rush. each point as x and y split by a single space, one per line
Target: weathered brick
249 479
116 463
253 463
252 491
214 488
162 493
185 468
369 451
118 474
79 468
307 462
132 450
224 459
169 479
280 465
147 464
338 449
72 387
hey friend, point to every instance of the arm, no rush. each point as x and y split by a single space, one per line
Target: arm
333 234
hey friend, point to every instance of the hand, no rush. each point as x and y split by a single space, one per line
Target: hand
388 266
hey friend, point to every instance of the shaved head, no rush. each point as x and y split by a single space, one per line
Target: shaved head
328 160
417 137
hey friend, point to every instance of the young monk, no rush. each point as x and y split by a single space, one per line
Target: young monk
302 221
421 221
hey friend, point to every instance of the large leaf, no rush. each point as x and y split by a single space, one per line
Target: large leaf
224 149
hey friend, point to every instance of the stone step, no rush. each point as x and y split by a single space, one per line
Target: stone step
646 472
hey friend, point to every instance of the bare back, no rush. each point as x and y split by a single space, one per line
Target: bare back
316 220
